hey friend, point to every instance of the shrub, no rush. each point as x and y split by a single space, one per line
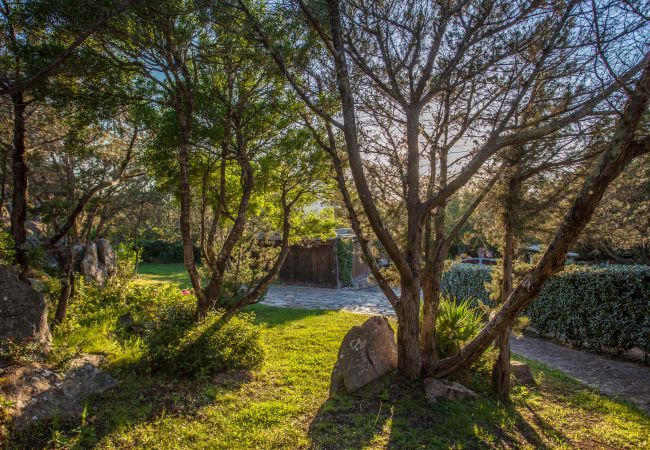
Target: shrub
157 251
467 282
6 248
596 307
457 323
180 347
345 253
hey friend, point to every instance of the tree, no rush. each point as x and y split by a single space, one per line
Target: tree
220 125
38 38
472 65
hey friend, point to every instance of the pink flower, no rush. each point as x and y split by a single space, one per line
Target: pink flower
185 292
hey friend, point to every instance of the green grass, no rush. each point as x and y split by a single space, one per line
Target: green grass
157 273
285 405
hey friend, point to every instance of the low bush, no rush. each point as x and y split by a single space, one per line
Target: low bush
153 327
180 347
158 251
457 322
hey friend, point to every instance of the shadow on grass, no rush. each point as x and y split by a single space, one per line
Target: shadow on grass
138 399
395 414
272 316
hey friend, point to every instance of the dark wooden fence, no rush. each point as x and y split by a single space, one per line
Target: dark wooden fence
313 265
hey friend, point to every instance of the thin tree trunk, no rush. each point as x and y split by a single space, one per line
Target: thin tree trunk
409 358
3 178
501 368
20 184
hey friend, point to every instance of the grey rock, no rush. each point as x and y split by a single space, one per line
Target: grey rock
23 311
366 354
447 390
39 394
521 373
107 256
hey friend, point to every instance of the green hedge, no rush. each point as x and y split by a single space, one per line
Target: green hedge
597 307
590 305
466 281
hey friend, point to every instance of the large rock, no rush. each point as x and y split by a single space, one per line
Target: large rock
41 394
23 312
99 262
367 352
521 373
435 390
107 256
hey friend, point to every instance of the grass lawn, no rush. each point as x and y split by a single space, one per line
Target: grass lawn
156 273
285 404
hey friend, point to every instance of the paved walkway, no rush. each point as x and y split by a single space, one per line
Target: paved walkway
624 379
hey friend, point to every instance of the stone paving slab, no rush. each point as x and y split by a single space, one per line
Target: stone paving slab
620 378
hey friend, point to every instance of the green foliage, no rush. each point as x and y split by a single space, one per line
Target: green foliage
597 307
179 347
6 248
592 306
345 253
158 251
467 281
20 353
457 323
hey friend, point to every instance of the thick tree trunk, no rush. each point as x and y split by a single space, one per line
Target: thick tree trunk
620 151
20 184
431 281
184 116
409 358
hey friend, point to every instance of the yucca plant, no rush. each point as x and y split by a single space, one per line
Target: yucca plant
457 323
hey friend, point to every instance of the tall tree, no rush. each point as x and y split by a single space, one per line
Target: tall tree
476 65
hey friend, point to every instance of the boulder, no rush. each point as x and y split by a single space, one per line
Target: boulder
107 256
521 373
41 394
23 311
366 353
99 261
435 390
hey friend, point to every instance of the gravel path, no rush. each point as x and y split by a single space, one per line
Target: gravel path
627 380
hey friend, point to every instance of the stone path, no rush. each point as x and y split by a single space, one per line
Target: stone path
626 380
620 378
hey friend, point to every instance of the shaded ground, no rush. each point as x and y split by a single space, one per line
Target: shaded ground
285 404
628 380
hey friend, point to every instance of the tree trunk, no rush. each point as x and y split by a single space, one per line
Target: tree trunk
20 183
184 116
409 358
66 275
501 368
3 178
431 281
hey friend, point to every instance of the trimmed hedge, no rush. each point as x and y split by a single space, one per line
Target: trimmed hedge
597 307
592 306
466 281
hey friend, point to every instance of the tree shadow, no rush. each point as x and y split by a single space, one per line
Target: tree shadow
394 413
273 316
137 399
